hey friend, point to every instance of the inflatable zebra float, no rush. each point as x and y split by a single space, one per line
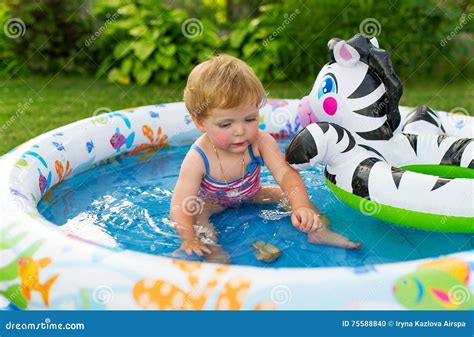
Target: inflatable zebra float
399 166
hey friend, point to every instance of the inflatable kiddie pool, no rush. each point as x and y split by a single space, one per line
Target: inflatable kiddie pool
42 267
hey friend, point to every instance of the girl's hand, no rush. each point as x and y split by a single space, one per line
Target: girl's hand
191 246
306 219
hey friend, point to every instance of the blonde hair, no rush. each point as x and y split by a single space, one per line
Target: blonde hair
222 82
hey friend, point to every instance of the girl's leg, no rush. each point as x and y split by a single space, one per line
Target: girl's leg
268 194
205 229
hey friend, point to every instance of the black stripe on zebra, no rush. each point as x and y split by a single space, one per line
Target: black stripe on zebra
329 176
340 134
382 133
376 109
441 138
423 113
360 178
440 183
367 86
413 140
324 126
397 174
352 141
454 154
371 149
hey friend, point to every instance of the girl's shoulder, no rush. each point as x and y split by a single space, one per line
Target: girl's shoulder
201 144
263 139
193 158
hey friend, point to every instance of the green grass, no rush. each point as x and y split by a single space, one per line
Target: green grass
59 100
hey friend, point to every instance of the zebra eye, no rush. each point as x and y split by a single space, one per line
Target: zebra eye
328 85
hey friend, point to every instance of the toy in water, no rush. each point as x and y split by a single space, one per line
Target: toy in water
266 252
353 124
437 285
28 270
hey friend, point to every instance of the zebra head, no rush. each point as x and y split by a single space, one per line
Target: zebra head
357 89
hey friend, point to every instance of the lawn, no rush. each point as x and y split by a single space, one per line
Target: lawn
32 106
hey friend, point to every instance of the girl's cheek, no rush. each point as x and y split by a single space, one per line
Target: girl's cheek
253 131
222 138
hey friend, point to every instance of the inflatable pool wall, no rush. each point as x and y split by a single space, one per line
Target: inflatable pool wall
44 267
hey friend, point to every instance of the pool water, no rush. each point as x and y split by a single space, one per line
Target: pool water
125 204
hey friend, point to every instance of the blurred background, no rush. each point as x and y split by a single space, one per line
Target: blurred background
62 61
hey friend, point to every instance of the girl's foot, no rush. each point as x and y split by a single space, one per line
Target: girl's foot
327 237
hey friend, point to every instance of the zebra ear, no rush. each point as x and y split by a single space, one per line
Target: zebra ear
345 55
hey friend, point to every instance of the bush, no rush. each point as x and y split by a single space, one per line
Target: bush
53 36
289 40
151 41
254 41
9 64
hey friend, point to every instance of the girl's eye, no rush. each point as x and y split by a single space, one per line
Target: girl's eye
224 125
328 85
251 119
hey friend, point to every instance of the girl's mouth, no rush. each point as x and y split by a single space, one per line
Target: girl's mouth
238 144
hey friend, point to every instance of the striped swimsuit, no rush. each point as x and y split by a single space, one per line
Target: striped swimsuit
238 190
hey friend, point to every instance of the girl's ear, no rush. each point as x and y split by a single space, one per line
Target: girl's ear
199 123
345 55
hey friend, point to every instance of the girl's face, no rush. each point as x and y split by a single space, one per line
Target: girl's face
231 129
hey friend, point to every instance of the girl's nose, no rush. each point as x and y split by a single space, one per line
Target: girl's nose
239 130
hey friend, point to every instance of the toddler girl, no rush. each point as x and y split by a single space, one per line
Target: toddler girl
222 168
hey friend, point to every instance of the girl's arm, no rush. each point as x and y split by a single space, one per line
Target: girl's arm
185 203
288 179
